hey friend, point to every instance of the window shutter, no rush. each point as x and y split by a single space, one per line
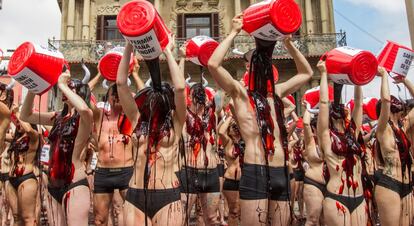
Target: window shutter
99 27
180 26
215 26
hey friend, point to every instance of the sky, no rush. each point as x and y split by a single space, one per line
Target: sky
39 20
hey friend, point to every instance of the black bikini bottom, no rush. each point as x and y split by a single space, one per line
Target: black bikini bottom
4 177
58 193
298 174
394 185
230 185
17 181
321 187
350 202
156 199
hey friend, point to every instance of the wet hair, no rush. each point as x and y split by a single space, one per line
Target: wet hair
81 90
396 106
198 95
9 94
314 123
337 111
114 90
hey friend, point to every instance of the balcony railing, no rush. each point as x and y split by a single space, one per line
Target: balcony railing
91 50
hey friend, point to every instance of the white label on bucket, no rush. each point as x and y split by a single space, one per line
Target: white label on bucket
403 62
341 79
147 45
94 161
46 51
200 40
31 81
44 154
268 32
349 50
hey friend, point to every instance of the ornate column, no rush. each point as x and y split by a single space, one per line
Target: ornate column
309 17
237 7
409 5
324 16
71 20
85 18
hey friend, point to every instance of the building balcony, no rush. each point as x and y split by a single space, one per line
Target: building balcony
310 45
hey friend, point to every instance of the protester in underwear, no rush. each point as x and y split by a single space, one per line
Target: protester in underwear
314 181
69 195
199 175
394 185
297 165
234 152
341 143
23 185
265 162
115 162
153 196
6 101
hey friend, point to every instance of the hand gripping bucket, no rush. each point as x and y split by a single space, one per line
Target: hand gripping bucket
200 48
272 19
396 59
109 63
312 96
36 67
142 26
346 65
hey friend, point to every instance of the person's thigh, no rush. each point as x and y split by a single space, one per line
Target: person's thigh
254 212
313 199
77 201
389 206
170 214
279 213
101 205
27 201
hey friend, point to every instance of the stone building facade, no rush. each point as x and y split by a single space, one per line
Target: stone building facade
89 28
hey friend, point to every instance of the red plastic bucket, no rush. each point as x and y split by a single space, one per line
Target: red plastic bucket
347 65
109 63
36 67
369 105
312 96
396 59
142 26
269 20
200 48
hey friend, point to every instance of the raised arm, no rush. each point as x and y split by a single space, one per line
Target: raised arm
86 116
323 117
385 102
307 130
294 124
223 129
181 55
125 98
221 75
289 107
5 115
27 114
33 134
407 83
135 75
304 71
357 112
177 78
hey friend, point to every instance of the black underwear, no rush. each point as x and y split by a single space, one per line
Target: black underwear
253 182
394 185
106 180
200 180
156 199
298 174
4 177
17 181
291 176
350 202
321 187
220 168
377 175
279 184
58 193
230 185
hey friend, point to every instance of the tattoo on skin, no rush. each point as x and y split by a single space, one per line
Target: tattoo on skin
389 165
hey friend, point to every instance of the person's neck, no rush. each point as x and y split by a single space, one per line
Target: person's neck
338 124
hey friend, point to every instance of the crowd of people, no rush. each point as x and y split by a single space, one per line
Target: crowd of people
171 152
